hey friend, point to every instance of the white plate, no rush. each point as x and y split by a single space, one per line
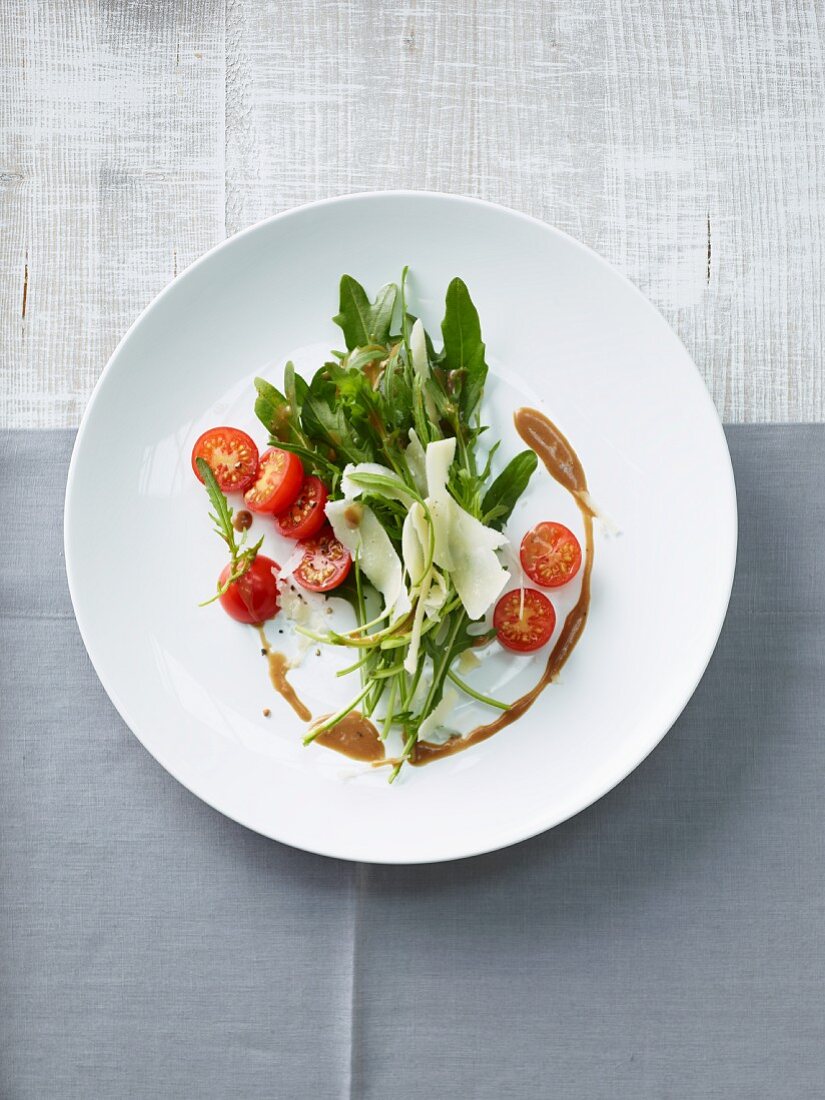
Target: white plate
564 331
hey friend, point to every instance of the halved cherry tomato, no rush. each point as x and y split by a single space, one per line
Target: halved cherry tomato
305 517
325 564
550 555
279 481
231 455
254 597
524 628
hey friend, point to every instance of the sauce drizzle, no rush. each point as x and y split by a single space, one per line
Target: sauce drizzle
354 736
562 463
278 666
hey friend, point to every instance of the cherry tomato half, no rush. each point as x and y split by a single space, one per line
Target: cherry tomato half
253 598
231 455
325 564
279 481
305 517
524 628
550 555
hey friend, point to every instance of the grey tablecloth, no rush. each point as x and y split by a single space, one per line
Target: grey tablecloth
668 942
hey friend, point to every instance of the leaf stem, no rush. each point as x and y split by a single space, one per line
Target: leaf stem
490 702
334 719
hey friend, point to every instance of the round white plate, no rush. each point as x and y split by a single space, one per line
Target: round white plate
565 332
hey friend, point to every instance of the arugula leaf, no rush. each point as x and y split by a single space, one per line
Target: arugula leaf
241 558
295 389
500 499
361 321
324 417
463 354
221 515
272 409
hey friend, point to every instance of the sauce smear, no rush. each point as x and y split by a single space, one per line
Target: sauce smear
354 736
562 463
278 666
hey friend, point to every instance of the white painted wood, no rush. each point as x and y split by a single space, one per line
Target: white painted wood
686 143
112 180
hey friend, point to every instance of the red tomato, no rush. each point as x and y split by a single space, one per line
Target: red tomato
280 477
550 555
231 456
526 628
305 517
253 598
325 564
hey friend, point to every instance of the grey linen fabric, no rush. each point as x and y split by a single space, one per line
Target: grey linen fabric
667 942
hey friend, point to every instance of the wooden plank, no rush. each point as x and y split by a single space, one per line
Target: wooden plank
112 175
684 143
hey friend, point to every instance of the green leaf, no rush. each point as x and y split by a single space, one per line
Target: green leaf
222 514
272 409
295 389
464 349
500 499
323 422
361 321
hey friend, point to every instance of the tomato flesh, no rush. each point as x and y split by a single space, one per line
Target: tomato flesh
231 455
325 564
524 626
254 597
279 481
305 516
550 555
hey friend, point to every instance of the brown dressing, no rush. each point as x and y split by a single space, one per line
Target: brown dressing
373 371
354 736
353 514
278 666
563 464
242 521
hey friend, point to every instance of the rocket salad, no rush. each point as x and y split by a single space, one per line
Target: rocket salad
381 469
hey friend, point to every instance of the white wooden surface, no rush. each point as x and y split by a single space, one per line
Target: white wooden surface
685 142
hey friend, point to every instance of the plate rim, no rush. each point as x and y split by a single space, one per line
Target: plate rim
517 835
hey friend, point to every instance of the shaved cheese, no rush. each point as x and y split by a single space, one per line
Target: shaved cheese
433 724
437 595
415 543
303 609
351 490
411 659
418 348
439 457
463 545
476 572
377 559
468 661
416 462
438 460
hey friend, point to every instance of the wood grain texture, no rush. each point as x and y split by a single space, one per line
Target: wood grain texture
684 142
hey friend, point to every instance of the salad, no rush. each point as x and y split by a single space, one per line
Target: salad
380 472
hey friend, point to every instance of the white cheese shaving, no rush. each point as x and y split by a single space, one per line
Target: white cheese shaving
301 608
433 724
437 595
468 661
415 543
418 348
417 462
463 545
376 557
411 659
351 490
